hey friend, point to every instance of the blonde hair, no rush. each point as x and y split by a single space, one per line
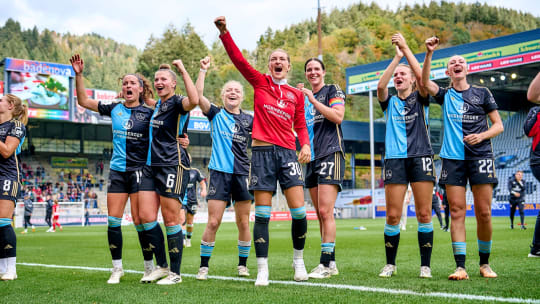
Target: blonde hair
20 110
231 82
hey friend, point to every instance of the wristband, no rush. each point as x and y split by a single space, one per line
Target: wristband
203 70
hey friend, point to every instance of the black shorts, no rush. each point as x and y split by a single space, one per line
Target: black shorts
170 181
270 164
10 190
228 187
475 171
190 207
409 170
328 170
124 182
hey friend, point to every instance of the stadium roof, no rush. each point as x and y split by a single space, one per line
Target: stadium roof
506 65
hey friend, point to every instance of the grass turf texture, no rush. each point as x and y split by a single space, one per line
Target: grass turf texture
359 255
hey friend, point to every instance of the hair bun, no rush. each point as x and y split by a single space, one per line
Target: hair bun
164 66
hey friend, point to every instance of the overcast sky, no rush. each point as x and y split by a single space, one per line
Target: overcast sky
133 21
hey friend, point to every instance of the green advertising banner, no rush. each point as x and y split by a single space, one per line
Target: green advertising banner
69 162
504 51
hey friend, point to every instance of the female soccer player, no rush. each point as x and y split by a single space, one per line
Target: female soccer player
130 121
408 155
56 216
532 129
278 109
466 155
324 112
166 172
229 169
13 118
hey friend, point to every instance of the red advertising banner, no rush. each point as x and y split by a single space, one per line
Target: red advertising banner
286 215
504 62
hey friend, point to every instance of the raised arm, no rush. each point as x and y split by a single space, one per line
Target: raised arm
430 86
253 76
204 103
82 99
192 99
533 94
382 86
399 40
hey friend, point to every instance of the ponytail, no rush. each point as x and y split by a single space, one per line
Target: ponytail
20 109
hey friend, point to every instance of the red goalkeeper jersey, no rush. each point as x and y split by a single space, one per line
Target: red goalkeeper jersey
278 107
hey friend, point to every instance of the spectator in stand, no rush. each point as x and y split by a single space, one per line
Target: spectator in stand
101 181
97 167
61 175
101 167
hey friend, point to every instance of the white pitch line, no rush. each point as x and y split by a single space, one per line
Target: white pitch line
334 286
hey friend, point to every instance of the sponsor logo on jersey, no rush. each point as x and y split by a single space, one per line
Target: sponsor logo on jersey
127 124
18 132
404 111
281 103
463 109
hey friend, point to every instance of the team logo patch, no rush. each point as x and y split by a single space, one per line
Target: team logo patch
212 190
388 174
444 174
290 95
140 116
281 103
163 107
2 132
463 109
475 99
127 124
254 180
245 123
411 100
235 128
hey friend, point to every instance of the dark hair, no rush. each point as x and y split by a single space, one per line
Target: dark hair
144 83
166 67
314 59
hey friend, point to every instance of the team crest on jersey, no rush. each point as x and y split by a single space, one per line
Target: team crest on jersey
290 95
444 174
388 174
2 132
140 116
321 97
163 107
245 123
463 109
312 111
475 99
411 100
127 124
235 128
281 103
212 190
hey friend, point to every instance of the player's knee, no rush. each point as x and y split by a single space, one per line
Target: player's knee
325 214
392 219
423 216
213 224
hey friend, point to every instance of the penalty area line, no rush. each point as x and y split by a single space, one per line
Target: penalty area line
332 286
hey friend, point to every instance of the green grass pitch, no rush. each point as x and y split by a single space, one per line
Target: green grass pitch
359 255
